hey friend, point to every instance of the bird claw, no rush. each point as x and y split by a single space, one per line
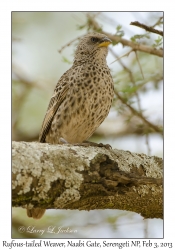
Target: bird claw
63 141
107 146
93 144
85 144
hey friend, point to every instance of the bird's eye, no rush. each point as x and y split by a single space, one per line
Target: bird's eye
94 39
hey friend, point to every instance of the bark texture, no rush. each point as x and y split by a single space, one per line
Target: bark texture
86 178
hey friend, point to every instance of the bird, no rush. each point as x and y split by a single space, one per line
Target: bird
81 100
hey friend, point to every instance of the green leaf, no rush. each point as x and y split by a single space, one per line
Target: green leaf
158 42
80 27
137 37
64 59
119 31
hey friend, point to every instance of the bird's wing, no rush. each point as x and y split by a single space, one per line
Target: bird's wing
60 92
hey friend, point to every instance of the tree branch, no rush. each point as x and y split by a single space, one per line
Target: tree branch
147 28
117 39
85 178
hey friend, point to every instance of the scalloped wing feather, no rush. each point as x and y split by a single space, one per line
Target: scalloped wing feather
59 95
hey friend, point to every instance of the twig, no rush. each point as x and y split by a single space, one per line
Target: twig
139 64
137 95
158 22
117 39
135 112
127 54
130 75
147 143
122 64
147 28
69 43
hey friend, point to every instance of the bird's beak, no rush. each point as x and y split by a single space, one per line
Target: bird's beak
104 42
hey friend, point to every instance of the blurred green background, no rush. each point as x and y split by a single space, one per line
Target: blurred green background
37 65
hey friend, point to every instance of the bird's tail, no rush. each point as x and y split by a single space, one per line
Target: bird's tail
35 213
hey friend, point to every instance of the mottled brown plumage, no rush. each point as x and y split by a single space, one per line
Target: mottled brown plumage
82 97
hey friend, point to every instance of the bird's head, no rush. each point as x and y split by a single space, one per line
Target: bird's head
93 46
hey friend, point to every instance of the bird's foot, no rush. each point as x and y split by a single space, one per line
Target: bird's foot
89 143
85 144
63 141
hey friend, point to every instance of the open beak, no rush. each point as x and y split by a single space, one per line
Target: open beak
104 42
